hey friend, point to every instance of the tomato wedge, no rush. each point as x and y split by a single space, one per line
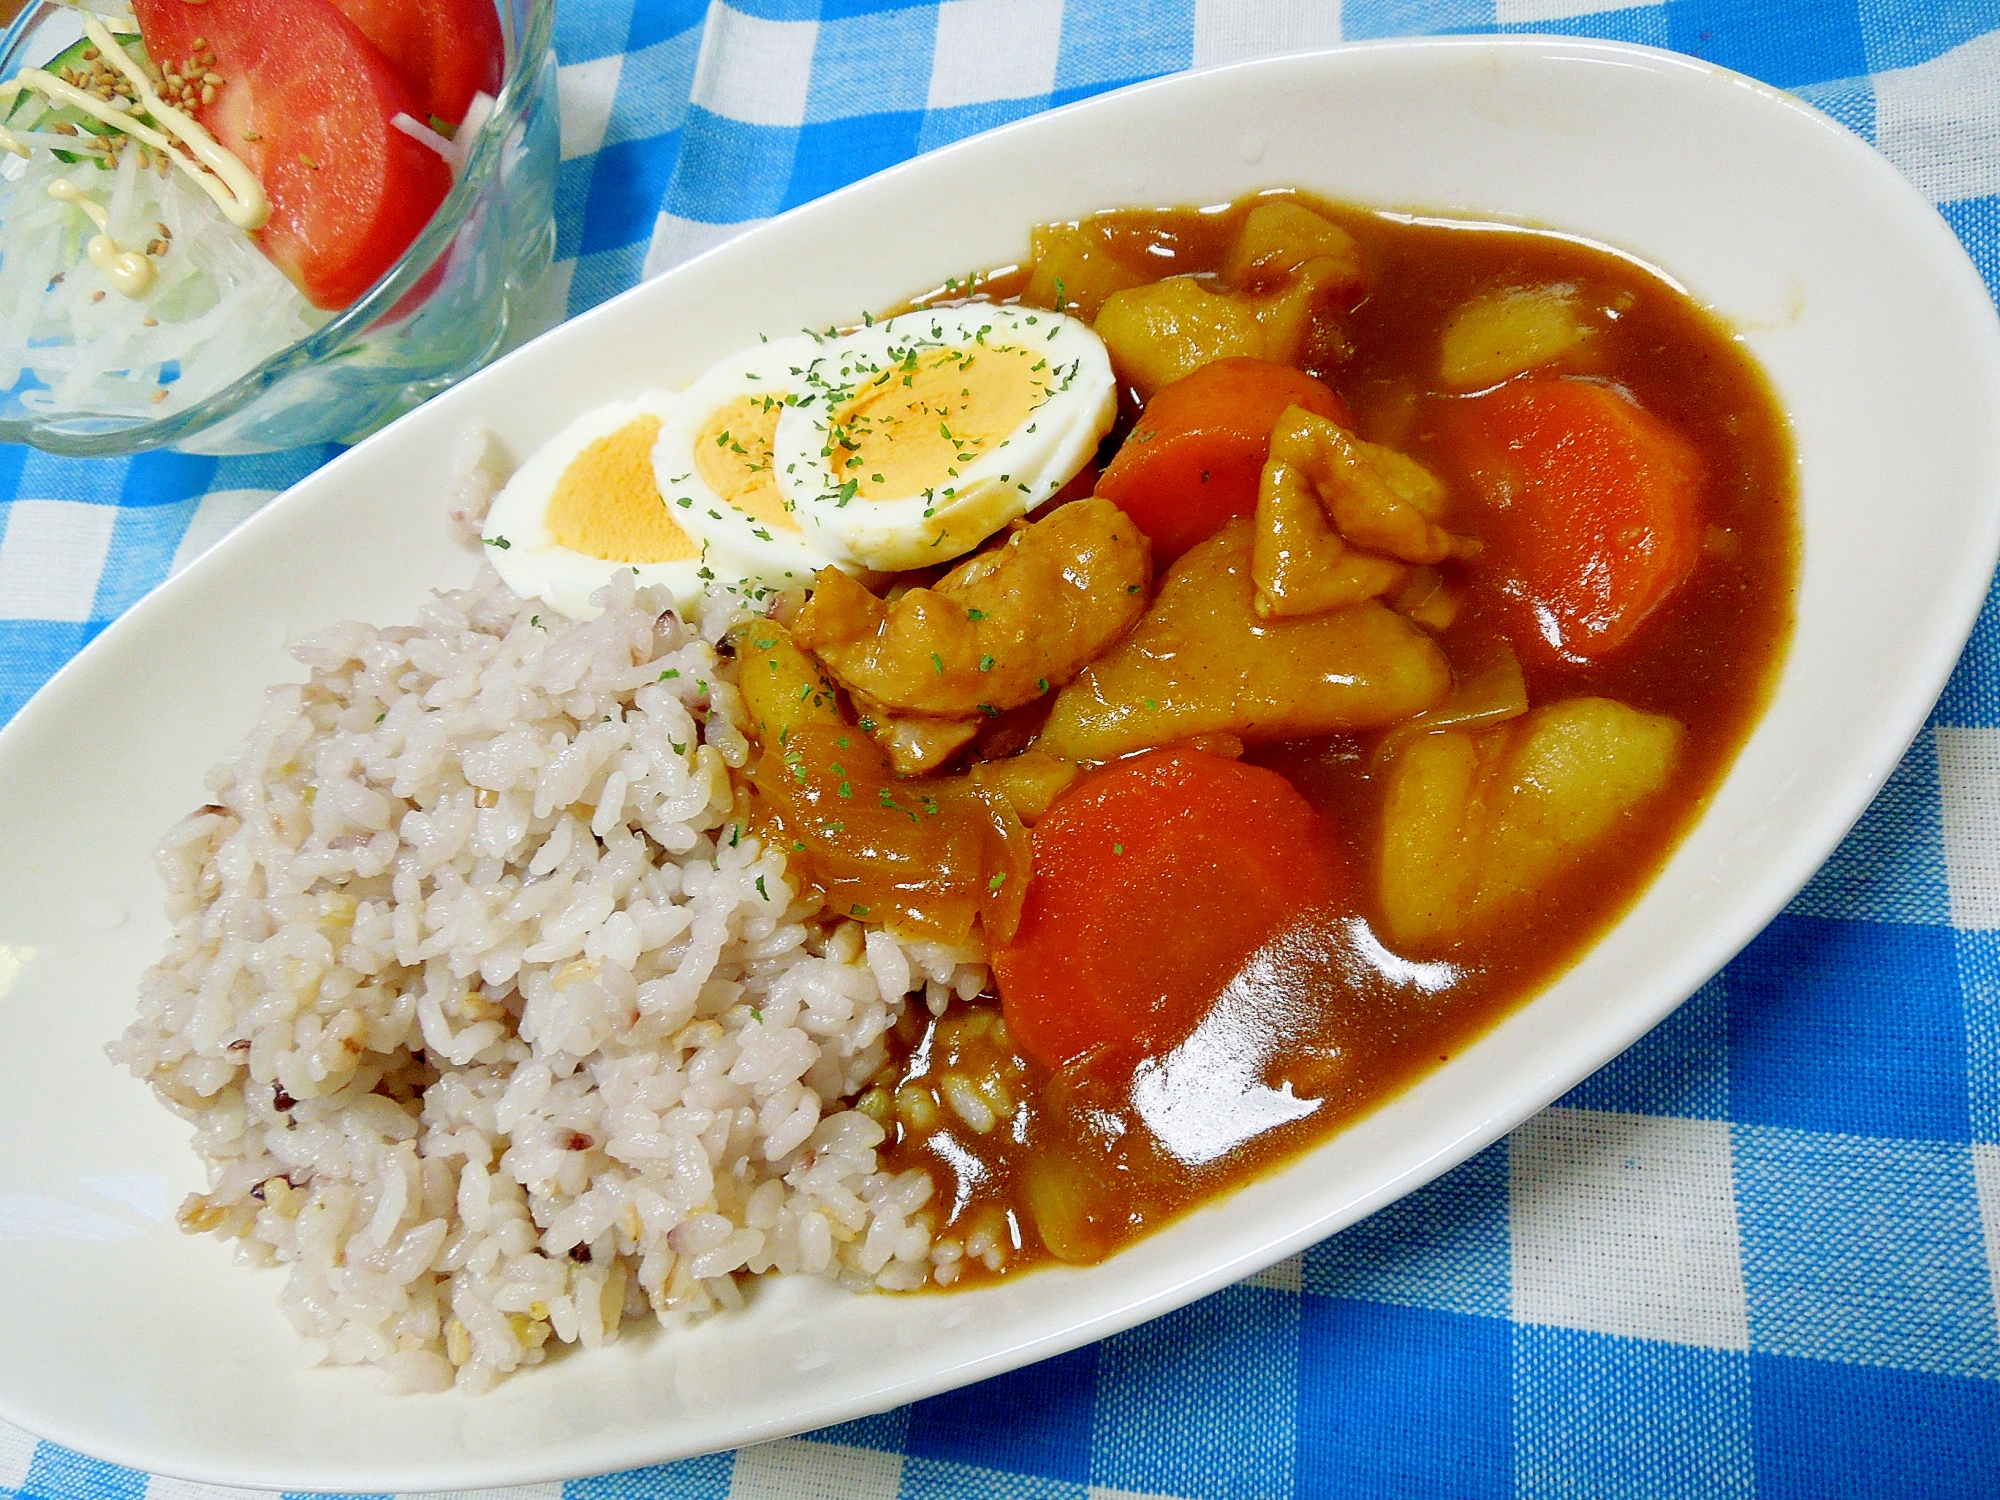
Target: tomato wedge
445 50
1155 880
306 102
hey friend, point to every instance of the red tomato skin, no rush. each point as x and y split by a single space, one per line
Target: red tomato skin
1155 880
445 50
1593 507
307 103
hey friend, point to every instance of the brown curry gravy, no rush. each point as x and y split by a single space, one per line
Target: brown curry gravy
1339 1028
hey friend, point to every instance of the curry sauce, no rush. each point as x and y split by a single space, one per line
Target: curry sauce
1335 1015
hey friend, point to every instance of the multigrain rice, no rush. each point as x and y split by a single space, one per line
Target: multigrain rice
497 1026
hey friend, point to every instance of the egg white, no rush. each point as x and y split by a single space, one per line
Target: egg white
949 513
770 554
533 563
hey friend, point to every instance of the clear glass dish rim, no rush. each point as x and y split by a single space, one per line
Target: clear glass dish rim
530 52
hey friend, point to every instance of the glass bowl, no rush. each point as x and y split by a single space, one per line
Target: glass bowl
468 286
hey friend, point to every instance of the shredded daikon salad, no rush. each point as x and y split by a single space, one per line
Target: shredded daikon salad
71 341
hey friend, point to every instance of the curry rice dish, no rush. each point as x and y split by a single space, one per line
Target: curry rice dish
1335 621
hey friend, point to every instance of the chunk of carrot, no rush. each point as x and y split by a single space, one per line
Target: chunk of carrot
1593 507
1193 460
1156 880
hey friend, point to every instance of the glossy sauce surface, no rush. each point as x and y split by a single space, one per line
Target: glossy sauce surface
1329 1020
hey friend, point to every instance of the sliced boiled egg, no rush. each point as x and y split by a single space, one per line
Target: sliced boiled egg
585 505
913 440
714 466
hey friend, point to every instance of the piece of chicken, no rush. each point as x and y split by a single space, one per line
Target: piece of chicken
999 630
1339 520
1202 662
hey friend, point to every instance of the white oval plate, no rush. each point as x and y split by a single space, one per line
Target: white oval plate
127 1340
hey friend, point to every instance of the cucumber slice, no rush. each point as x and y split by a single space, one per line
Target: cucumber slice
71 56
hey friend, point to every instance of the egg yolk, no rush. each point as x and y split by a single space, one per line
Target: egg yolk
916 426
607 503
732 454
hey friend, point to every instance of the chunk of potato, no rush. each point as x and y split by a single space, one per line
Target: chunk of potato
783 688
1074 264
1499 334
1201 662
1475 823
1338 518
1434 816
1279 236
1580 766
1156 334
1489 694
1029 782
1076 1216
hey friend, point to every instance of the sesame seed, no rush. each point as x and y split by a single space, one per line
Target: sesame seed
97 296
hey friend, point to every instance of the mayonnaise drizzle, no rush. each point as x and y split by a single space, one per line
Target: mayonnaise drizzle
217 171
130 272
8 140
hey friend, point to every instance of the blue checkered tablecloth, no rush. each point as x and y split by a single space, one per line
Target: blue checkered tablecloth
1757 1255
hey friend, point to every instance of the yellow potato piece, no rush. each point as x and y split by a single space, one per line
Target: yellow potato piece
1280 236
1074 266
1076 1217
1434 812
1496 336
1475 823
1579 767
1201 662
1156 334
783 688
1029 782
1489 694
